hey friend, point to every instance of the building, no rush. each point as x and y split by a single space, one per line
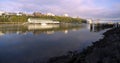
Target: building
27 14
10 13
21 13
66 15
50 14
42 21
18 14
7 13
1 13
37 14
90 21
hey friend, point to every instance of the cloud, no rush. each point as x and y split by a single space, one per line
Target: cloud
83 8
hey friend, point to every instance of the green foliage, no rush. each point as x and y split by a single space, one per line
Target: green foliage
13 18
18 19
62 19
3 19
56 18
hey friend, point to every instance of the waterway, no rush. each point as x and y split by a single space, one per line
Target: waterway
34 43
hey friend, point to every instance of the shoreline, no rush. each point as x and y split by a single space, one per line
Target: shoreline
12 22
105 50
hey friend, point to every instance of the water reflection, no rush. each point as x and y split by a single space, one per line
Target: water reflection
98 27
48 29
37 29
38 26
36 43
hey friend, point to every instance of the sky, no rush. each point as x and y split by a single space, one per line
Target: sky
81 8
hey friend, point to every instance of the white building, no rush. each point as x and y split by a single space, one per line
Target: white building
18 14
66 15
42 21
90 21
1 12
10 13
50 14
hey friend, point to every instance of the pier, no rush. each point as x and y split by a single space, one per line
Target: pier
96 22
103 21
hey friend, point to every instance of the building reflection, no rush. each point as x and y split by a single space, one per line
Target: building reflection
50 32
48 29
1 34
66 31
40 27
36 29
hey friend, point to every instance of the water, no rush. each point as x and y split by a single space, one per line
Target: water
34 43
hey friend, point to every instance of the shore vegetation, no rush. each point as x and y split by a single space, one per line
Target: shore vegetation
62 19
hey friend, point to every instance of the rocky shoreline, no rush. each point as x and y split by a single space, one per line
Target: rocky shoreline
106 50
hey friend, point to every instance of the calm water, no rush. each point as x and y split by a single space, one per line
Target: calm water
36 43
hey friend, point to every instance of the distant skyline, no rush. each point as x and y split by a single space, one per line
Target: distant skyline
81 8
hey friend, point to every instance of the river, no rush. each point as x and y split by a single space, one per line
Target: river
34 43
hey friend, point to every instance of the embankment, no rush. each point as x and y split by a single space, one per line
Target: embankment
106 50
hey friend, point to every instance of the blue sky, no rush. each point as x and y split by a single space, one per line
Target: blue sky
82 8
